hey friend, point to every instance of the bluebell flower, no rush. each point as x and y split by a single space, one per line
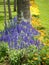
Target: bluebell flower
15 19
19 36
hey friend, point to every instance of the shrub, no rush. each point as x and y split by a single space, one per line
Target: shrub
16 57
28 56
4 49
33 55
44 53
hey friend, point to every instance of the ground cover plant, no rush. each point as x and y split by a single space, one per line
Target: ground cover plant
26 56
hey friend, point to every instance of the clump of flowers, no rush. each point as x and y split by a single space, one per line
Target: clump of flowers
19 35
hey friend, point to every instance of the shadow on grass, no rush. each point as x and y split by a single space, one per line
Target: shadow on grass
7 11
1 18
1 11
41 28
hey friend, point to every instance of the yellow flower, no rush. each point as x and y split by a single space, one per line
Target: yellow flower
47 44
35 21
34 8
31 1
35 58
44 58
47 55
40 38
36 54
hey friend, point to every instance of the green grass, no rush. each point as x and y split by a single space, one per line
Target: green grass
2 15
44 12
44 15
1 2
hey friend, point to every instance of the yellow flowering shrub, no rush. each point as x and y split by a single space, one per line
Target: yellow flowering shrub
34 10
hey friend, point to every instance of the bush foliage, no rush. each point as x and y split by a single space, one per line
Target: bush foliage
27 56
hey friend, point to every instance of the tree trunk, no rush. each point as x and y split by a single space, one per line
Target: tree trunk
4 12
23 6
19 8
26 9
9 9
14 5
